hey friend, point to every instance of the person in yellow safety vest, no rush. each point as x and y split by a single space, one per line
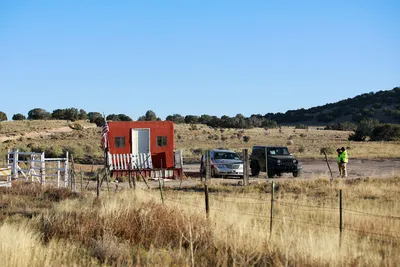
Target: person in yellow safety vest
339 152
344 159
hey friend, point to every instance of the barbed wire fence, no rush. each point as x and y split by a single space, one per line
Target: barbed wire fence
342 224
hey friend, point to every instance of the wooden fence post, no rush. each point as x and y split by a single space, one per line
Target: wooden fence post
81 180
341 218
272 207
245 167
327 163
266 162
208 166
15 165
130 174
42 169
206 199
58 173
98 186
161 190
66 170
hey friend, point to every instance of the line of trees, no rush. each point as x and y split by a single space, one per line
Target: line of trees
239 121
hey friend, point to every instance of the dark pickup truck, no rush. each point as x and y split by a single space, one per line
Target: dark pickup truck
279 161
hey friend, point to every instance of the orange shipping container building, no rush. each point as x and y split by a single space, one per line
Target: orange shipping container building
143 145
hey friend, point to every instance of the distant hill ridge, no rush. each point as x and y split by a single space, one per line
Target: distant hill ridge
382 105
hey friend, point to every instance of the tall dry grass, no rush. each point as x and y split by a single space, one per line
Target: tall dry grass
134 227
21 246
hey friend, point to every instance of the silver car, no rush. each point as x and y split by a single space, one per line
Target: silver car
223 163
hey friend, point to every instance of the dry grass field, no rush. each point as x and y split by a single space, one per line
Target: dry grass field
56 137
44 227
304 143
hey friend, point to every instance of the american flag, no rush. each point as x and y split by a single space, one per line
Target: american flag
104 134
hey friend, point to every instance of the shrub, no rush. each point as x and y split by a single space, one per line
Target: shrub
3 116
302 149
386 132
18 117
303 135
246 138
290 142
76 126
301 126
197 151
193 127
327 150
38 114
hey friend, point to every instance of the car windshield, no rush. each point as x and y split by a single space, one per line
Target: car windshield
278 151
225 155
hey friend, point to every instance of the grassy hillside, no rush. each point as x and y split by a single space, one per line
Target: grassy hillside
57 137
382 105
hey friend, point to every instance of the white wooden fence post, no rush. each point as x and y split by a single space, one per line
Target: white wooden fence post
15 164
58 173
42 169
66 170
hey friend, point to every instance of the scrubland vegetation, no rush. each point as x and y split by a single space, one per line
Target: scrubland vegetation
82 139
44 226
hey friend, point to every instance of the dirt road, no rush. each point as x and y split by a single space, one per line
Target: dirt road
357 168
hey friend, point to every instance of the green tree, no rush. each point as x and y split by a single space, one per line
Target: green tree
71 114
38 114
149 116
386 132
364 129
18 117
3 116
191 119
123 117
83 114
58 114
96 117
118 117
176 118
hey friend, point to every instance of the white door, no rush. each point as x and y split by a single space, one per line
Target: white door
140 141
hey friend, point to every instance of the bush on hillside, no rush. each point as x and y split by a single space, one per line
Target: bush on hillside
18 117
301 126
3 116
386 132
38 114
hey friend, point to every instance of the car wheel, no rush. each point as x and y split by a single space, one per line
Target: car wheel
296 174
213 172
255 169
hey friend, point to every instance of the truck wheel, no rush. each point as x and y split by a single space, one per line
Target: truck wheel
296 174
255 169
271 174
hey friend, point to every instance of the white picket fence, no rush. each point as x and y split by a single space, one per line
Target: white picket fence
129 161
36 167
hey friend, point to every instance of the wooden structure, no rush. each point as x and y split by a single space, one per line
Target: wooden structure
37 168
145 147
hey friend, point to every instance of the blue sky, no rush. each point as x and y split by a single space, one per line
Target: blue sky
194 57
